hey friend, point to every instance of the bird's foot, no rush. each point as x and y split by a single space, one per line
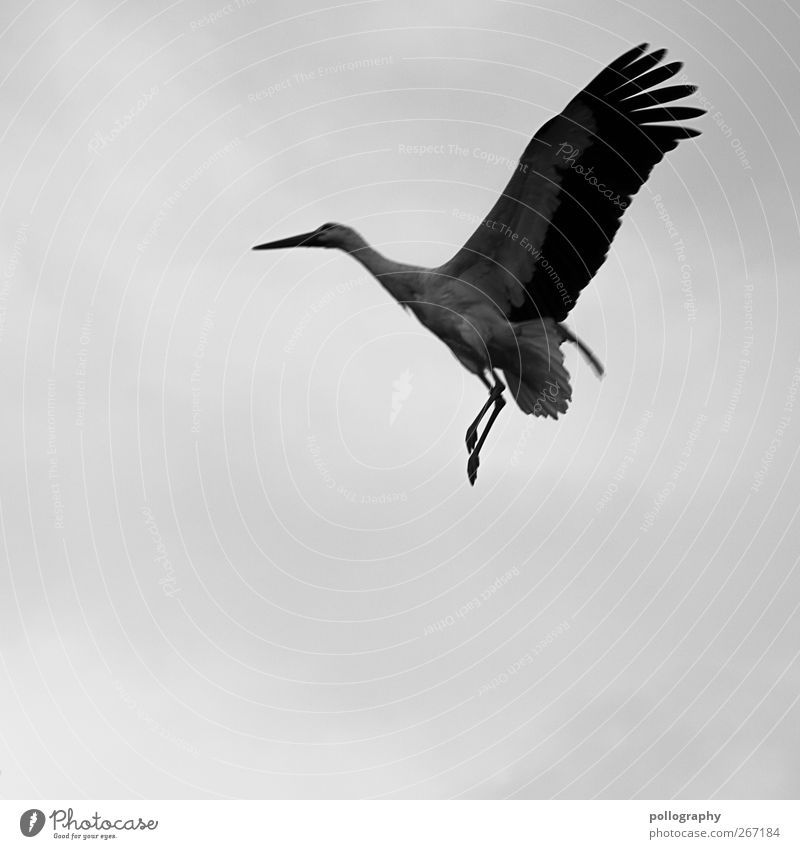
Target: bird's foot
472 468
472 437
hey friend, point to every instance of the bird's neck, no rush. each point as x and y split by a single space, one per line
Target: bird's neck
396 277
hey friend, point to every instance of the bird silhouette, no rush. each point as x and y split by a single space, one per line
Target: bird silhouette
499 304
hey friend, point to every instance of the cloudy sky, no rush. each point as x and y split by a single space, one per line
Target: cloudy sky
241 555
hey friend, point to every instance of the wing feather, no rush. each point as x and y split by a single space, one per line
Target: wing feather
551 229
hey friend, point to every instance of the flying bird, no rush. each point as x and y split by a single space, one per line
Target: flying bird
499 304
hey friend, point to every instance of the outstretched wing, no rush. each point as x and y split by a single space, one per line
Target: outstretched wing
551 229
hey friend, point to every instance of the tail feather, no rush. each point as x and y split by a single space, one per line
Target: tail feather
539 403
542 388
540 381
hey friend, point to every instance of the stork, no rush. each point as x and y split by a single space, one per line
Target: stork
499 304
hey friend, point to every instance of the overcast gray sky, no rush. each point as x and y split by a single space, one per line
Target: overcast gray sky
242 558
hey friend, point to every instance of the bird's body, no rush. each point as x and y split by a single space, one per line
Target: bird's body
467 322
499 304
454 302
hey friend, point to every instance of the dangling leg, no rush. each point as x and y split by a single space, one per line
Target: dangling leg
494 392
499 403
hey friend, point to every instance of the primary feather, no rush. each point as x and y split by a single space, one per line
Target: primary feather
551 229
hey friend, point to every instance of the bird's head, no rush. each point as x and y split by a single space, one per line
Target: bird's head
326 236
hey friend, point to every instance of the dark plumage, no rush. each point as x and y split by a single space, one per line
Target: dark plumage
617 123
499 302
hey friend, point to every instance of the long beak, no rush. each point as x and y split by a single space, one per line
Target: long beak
304 240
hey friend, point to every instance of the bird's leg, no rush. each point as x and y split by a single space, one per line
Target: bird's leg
494 391
474 459
499 403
